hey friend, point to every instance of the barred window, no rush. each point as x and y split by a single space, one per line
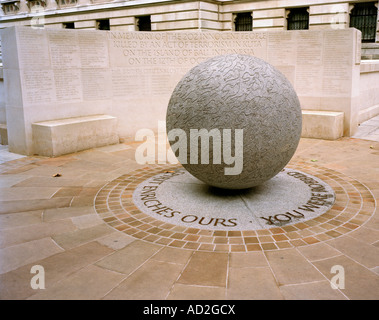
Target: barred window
144 23
10 7
298 19
69 25
63 3
36 3
243 21
103 24
364 18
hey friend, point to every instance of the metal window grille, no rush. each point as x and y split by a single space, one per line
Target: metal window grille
298 19
68 25
66 2
10 8
364 17
144 23
103 24
33 3
244 22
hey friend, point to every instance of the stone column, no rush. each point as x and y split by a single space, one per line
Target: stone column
23 7
51 5
234 18
83 2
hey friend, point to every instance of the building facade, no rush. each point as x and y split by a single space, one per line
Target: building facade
206 15
357 90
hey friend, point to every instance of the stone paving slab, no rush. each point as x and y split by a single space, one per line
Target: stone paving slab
369 130
91 229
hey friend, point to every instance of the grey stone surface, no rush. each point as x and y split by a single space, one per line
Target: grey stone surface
178 198
368 130
238 92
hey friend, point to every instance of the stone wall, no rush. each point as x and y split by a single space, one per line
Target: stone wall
51 74
369 90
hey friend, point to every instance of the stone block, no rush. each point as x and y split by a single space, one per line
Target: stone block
270 13
329 8
267 23
186 24
57 137
85 24
122 21
326 125
175 16
329 19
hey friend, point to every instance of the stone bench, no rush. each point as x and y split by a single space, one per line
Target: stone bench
62 136
326 125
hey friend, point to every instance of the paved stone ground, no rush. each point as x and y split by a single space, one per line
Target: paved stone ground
5 155
51 221
369 130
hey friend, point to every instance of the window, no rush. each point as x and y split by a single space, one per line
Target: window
364 17
144 23
103 24
36 3
298 19
69 25
65 3
243 21
10 7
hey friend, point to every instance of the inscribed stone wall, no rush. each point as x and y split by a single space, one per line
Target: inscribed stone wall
131 75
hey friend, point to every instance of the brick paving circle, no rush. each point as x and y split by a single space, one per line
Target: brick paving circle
354 205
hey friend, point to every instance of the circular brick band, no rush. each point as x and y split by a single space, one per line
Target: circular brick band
354 205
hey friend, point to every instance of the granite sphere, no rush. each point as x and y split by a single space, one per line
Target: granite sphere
231 94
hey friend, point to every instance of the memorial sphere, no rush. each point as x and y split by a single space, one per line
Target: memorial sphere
234 121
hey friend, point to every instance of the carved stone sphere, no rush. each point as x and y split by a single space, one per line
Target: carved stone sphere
216 101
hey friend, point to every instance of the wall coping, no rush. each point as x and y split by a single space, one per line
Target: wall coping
368 66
